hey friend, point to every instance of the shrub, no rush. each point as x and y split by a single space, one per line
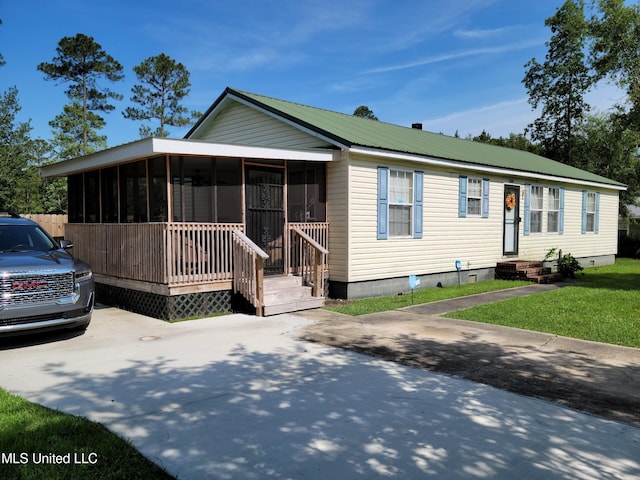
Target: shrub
568 266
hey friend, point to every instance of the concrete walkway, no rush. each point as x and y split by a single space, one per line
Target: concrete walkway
238 397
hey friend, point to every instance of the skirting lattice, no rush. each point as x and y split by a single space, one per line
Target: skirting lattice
164 307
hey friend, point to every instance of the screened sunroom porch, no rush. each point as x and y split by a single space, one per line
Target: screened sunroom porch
174 217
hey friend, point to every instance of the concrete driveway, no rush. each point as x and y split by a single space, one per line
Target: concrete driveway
238 397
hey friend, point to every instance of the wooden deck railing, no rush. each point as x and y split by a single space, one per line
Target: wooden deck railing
248 270
308 259
180 254
165 253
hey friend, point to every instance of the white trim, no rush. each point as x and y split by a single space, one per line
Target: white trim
459 165
149 147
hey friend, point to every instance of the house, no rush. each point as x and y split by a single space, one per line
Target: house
262 192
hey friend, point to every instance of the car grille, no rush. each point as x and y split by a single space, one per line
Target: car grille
18 289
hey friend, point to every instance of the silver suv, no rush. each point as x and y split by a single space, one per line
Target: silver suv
42 287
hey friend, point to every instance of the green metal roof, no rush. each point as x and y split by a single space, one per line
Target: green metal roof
354 131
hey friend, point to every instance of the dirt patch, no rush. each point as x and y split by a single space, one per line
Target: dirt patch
594 378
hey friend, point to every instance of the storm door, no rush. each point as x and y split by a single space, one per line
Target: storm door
265 214
511 219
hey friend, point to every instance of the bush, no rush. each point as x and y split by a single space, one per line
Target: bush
568 266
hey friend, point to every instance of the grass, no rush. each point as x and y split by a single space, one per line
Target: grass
602 307
383 304
29 429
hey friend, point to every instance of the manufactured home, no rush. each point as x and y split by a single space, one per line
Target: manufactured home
282 204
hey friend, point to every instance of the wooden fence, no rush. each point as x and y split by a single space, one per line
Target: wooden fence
52 223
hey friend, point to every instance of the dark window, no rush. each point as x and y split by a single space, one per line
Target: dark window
133 192
228 190
157 190
206 189
92 196
75 195
109 192
306 191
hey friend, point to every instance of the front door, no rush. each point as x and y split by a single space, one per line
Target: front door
265 213
511 219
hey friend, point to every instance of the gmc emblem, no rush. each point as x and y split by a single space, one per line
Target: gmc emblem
28 285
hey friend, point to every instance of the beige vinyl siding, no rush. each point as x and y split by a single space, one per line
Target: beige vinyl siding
605 242
338 218
477 242
239 124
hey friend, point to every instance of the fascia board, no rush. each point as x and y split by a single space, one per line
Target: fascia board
480 168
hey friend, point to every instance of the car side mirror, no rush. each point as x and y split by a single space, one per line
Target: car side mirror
66 244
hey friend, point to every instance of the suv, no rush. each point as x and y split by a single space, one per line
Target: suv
42 287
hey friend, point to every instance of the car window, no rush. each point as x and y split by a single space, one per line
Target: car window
24 237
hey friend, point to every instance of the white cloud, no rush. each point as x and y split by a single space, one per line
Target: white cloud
454 56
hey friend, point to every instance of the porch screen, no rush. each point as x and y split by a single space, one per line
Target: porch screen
206 189
306 192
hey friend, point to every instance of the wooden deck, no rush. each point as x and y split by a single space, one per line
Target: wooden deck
170 258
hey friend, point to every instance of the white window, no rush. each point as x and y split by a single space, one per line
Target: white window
553 212
536 209
474 196
591 212
400 203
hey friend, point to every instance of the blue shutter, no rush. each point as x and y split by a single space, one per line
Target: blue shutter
462 200
597 219
383 203
584 211
485 198
561 212
418 186
527 209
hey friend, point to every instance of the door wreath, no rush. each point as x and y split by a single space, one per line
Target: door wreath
510 201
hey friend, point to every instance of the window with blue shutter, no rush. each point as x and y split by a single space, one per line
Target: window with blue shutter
561 212
462 200
485 198
383 203
527 210
418 192
590 212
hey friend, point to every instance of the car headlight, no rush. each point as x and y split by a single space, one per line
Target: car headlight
83 275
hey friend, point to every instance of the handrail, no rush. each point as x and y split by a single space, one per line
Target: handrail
311 266
248 270
251 244
310 240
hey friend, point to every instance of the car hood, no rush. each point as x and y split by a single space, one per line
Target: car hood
55 259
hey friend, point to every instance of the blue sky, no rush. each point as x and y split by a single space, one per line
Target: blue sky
454 65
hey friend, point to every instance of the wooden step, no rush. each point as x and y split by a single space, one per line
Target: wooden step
285 293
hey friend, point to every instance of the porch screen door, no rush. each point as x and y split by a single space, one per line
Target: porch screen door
265 214
511 219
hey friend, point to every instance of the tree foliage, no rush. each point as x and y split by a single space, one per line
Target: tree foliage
21 187
81 62
604 145
515 140
616 51
559 84
364 112
164 84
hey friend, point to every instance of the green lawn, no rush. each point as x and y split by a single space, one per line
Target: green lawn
603 305
31 433
383 304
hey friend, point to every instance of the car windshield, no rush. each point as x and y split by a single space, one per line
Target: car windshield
19 238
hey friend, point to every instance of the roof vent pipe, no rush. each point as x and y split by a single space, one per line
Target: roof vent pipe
417 126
